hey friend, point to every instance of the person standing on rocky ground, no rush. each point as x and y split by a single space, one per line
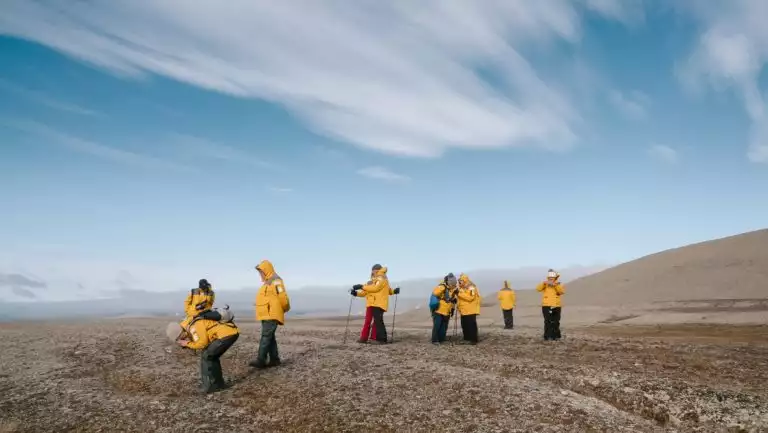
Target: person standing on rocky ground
551 304
507 302
214 338
272 303
468 297
376 293
198 301
446 293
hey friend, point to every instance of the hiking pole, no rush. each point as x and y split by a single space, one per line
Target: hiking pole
455 324
394 314
346 328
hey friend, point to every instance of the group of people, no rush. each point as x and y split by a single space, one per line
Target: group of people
213 331
461 297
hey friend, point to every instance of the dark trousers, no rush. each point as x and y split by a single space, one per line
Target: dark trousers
508 319
439 327
378 323
469 327
268 343
210 365
551 322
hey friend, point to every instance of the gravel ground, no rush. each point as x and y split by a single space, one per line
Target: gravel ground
123 376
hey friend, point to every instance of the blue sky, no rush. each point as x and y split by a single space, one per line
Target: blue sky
146 145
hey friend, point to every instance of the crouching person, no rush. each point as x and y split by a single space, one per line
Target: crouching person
446 293
214 338
272 303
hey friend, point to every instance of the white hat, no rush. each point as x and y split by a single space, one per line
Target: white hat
552 274
226 314
173 331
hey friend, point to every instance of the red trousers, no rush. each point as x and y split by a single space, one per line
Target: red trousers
368 327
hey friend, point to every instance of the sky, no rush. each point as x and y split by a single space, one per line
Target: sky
145 144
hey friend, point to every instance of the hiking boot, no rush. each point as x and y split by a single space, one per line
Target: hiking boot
361 341
377 342
257 363
273 363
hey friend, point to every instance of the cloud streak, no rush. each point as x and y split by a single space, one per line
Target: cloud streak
398 77
47 100
634 104
209 149
92 148
382 173
663 153
731 53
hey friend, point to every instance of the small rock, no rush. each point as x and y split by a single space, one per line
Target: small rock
563 392
446 412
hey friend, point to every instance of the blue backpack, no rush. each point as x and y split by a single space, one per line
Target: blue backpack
434 303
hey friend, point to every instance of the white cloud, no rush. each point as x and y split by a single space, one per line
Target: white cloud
634 104
663 153
279 190
77 144
381 173
397 76
731 53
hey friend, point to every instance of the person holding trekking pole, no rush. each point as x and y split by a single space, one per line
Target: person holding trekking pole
376 294
468 297
445 294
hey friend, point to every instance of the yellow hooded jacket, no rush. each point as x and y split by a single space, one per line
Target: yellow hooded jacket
204 332
377 291
272 300
507 297
198 301
551 291
442 291
468 296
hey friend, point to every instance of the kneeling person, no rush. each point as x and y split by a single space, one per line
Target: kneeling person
213 338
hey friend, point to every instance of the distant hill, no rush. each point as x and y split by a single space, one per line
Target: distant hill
735 267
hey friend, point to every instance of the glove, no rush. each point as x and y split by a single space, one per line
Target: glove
396 291
353 292
357 287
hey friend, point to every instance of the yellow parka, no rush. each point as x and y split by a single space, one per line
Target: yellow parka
507 297
444 293
198 301
272 300
468 297
377 291
203 332
551 291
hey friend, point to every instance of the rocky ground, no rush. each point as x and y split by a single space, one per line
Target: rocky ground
123 376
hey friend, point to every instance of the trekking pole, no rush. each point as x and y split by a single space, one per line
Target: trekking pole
346 328
394 314
455 324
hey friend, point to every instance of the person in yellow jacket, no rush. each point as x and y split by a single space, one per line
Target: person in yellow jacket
376 294
551 304
272 303
199 301
213 337
468 302
446 293
507 302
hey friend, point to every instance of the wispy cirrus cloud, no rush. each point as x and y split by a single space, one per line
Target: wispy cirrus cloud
663 153
633 104
210 149
399 77
88 147
382 173
731 52
46 100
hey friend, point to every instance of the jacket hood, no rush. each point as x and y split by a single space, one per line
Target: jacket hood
266 267
464 279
